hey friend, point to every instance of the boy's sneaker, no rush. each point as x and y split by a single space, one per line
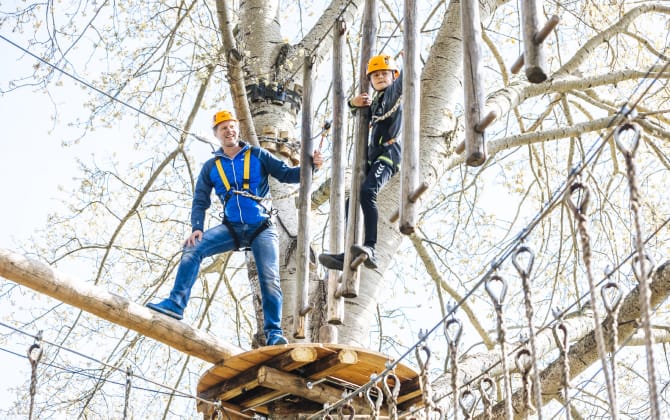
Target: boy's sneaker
332 261
371 261
276 340
167 307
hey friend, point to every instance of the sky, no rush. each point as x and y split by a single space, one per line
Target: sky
36 173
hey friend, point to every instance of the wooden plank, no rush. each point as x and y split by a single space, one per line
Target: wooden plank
335 304
114 308
319 369
247 380
411 105
302 306
532 50
351 278
475 144
296 385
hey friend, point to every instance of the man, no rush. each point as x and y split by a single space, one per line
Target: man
238 173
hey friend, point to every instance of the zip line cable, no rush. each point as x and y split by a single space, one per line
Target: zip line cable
112 97
112 367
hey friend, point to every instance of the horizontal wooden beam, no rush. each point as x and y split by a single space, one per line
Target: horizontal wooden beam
247 380
296 385
114 308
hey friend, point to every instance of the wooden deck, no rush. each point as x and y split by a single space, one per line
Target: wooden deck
298 379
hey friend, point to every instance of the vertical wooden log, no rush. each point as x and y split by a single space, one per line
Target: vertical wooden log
335 304
351 278
532 50
475 145
411 106
302 307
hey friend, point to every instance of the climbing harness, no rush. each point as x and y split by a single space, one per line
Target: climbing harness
642 275
524 273
498 297
579 207
243 193
34 356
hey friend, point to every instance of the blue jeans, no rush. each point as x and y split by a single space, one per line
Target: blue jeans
265 248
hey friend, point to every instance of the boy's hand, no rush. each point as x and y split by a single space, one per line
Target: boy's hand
317 159
361 100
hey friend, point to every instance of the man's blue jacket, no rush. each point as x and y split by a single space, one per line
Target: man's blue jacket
239 209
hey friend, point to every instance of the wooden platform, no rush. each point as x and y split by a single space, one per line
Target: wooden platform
296 379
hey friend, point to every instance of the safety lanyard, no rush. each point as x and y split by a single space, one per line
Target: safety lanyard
245 180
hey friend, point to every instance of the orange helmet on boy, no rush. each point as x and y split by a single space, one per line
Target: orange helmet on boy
382 62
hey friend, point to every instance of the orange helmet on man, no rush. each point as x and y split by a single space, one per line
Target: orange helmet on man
382 62
222 116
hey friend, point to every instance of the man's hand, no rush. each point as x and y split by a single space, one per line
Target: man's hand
195 237
317 159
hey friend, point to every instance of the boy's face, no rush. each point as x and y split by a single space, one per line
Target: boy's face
381 79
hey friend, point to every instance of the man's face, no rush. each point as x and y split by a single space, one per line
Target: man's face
226 132
381 79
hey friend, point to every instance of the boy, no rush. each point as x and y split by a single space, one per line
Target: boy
384 112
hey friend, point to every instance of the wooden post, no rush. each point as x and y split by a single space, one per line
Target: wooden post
335 304
351 277
114 308
411 105
302 307
532 51
475 144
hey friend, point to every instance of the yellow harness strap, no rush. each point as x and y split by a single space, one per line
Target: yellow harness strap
247 164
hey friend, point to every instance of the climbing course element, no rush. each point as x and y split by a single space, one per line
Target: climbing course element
129 385
560 332
351 274
302 307
34 356
453 328
391 394
475 144
524 273
411 105
641 273
533 55
487 391
579 205
496 287
335 302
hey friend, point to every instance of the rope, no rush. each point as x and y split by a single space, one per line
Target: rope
498 298
524 273
579 210
453 329
641 274
34 356
561 336
129 375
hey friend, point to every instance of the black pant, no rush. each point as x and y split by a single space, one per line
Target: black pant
378 174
